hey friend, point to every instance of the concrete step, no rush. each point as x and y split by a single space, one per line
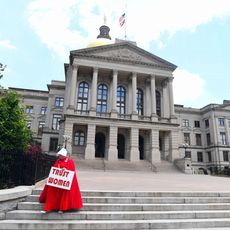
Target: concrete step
128 210
115 224
146 194
146 200
118 165
135 207
96 164
166 167
116 215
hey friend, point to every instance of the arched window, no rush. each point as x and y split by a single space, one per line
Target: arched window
121 100
158 103
83 94
140 102
79 138
102 94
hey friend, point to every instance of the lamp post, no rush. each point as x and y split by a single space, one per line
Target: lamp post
185 146
66 139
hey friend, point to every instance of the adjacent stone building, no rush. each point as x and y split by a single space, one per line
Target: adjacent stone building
206 132
116 102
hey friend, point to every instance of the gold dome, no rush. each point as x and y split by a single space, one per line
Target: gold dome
100 42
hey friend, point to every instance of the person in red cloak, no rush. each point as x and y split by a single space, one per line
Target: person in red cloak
61 199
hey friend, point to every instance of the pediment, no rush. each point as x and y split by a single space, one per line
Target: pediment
124 52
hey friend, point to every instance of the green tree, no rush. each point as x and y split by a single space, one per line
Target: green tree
14 134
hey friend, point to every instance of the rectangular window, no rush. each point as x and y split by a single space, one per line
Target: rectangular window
221 121
208 137
228 123
79 138
185 123
223 139
197 124
53 144
206 123
187 138
40 127
198 139
83 92
225 156
28 125
29 109
188 154
59 102
43 110
55 122
199 156
209 156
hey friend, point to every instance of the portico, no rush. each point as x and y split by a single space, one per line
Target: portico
119 98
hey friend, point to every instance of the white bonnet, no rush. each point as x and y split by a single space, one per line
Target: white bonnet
62 152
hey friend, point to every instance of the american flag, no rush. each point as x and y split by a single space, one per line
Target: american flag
122 19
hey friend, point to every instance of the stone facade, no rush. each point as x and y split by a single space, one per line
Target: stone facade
207 133
117 103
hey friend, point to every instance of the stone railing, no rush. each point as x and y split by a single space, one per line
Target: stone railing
184 165
82 112
144 118
103 114
124 116
9 198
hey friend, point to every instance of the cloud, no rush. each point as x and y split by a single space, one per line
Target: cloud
70 24
7 44
187 87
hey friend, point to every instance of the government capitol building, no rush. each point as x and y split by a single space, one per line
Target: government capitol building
116 103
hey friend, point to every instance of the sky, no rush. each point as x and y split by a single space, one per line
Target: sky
36 37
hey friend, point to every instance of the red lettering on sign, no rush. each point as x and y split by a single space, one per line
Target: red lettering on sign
54 170
51 180
57 171
55 181
60 182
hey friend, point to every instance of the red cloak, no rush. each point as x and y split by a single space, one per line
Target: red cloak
61 199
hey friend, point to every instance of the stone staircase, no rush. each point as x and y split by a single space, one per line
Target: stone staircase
166 167
128 210
118 165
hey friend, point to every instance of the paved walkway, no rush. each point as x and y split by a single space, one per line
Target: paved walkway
141 181
149 181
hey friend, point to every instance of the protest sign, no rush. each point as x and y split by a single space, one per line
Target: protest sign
60 178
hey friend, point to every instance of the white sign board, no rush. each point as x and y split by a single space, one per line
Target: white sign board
60 178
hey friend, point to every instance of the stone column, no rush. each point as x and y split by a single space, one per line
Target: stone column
226 130
148 99
114 95
173 145
166 105
171 104
153 99
154 146
134 97
94 93
67 86
73 87
112 153
90 144
134 145
214 127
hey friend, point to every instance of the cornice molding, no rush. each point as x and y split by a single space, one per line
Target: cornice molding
124 56
119 60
